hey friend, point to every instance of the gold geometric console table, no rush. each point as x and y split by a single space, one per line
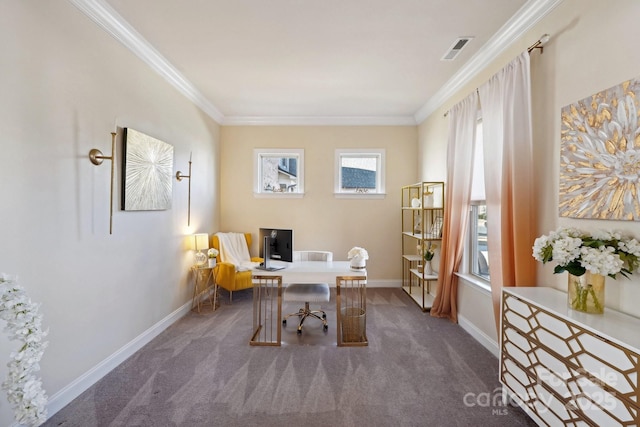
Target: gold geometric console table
569 368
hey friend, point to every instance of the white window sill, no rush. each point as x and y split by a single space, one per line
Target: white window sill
475 281
360 195
278 195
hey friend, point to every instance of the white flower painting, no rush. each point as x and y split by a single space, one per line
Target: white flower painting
600 155
147 169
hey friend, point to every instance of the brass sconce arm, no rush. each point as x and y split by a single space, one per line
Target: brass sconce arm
96 157
180 177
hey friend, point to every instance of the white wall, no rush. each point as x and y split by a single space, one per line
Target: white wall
593 47
65 85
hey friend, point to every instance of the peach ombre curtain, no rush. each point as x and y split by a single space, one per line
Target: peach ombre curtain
460 149
509 183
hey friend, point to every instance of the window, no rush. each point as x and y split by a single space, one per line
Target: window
479 253
359 173
477 249
279 172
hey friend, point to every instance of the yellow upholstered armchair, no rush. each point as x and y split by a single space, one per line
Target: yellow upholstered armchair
227 276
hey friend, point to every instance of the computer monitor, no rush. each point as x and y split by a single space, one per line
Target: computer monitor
280 244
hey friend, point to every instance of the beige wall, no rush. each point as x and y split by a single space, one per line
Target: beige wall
593 47
320 221
65 85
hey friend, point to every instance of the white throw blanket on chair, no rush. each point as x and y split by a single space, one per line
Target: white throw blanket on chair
234 250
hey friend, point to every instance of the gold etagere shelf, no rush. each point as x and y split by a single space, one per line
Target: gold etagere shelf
422 220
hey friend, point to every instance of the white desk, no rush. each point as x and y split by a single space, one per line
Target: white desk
311 271
267 297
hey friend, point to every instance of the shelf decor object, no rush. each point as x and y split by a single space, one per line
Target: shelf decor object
358 258
212 253
586 293
96 157
588 258
428 268
180 177
200 243
422 218
147 169
429 253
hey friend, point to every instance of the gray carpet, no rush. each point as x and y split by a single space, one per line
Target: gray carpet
416 371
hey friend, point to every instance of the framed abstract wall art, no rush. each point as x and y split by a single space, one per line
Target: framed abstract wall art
600 155
147 172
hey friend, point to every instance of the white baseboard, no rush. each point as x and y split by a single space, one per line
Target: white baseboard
378 284
384 283
479 336
63 397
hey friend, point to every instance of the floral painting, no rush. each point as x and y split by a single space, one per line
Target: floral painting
600 155
147 173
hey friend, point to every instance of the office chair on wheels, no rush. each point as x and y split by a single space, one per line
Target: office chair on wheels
308 292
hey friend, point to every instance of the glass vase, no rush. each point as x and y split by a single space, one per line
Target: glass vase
586 293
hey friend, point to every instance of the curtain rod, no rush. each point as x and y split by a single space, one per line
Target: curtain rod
447 113
543 40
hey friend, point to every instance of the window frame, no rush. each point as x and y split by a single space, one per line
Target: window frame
260 153
470 264
473 238
379 154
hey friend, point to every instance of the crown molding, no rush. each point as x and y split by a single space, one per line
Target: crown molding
106 17
318 121
528 15
113 23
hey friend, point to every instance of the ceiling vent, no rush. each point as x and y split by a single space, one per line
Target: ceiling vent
456 48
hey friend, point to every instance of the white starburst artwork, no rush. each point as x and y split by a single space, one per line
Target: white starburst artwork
600 155
147 172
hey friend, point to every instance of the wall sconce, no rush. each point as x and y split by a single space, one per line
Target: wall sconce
200 243
180 177
96 158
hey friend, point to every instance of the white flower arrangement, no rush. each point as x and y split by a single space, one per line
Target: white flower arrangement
24 324
358 252
575 251
212 253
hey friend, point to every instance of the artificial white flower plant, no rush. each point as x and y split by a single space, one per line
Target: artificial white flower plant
24 324
357 251
601 252
212 253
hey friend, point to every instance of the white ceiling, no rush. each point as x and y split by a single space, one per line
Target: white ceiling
304 62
